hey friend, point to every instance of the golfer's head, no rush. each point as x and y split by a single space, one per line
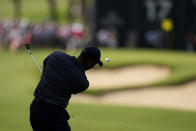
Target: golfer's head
90 56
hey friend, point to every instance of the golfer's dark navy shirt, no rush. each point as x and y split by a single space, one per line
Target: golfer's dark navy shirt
62 76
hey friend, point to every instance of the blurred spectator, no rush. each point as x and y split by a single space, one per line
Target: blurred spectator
191 37
63 33
107 37
132 38
77 34
191 41
37 35
13 34
153 38
15 37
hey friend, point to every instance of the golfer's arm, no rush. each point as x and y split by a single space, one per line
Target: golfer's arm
80 85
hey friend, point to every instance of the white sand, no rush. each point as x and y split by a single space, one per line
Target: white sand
128 76
177 97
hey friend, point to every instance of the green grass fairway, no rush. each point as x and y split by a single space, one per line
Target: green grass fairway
19 76
113 118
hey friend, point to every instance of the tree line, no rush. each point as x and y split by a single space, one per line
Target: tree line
52 5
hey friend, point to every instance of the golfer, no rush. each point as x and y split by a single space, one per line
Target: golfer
63 75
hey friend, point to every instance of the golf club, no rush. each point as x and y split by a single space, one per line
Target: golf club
27 45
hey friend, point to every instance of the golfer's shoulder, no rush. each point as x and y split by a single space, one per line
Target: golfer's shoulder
59 55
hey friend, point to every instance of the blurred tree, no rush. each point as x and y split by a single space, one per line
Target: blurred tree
69 8
77 9
53 10
83 10
17 9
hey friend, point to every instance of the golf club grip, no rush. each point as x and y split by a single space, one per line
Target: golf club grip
27 45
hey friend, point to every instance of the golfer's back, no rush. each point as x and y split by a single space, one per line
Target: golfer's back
62 76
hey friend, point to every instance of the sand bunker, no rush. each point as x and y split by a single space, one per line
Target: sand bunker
178 97
128 76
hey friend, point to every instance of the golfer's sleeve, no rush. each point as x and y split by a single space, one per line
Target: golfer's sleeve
80 83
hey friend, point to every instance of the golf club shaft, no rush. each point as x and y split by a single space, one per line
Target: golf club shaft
29 51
